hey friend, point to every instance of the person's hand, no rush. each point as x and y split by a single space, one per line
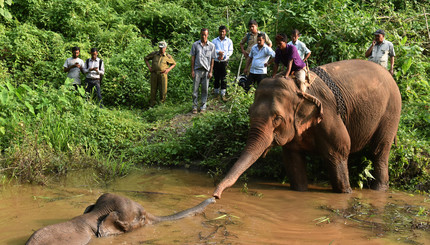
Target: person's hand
246 54
220 55
265 64
392 72
374 43
245 70
193 75
210 75
165 71
77 65
150 68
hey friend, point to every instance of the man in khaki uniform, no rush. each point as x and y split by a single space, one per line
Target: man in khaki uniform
162 63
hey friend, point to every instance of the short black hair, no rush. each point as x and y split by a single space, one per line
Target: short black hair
93 50
252 22
204 29
222 28
295 31
281 37
262 35
75 48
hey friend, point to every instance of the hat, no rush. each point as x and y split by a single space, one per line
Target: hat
162 44
379 31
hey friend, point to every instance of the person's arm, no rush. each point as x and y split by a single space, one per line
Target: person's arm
168 69
290 64
85 69
211 69
370 49
101 71
172 64
307 56
193 59
230 50
242 46
248 63
147 58
67 68
392 65
268 41
148 65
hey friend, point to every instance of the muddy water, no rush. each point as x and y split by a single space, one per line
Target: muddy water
266 214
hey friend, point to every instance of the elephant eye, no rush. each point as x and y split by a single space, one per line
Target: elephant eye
277 121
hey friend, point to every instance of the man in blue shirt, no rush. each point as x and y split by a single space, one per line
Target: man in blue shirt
300 46
223 50
258 58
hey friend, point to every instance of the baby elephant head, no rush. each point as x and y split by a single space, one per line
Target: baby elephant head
117 223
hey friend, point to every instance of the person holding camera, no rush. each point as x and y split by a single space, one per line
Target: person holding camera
74 66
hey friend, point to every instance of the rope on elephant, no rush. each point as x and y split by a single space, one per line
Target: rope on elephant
341 108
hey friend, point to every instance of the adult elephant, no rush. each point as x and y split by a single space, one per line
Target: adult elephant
361 103
110 215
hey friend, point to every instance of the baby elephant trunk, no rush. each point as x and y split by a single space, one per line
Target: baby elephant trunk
188 212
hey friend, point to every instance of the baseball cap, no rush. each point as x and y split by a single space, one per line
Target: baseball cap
162 44
379 31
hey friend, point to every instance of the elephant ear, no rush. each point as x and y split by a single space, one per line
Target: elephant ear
309 112
89 209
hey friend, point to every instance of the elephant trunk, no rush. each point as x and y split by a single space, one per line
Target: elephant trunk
259 141
188 212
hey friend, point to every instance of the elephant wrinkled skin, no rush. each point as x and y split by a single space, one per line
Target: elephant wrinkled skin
110 215
309 123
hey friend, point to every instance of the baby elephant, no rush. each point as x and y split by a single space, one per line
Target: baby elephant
110 215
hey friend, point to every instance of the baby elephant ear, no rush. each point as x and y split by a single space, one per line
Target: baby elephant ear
309 112
111 225
89 209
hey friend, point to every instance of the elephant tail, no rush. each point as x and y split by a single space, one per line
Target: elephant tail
188 212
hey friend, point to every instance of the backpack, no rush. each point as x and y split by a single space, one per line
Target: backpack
100 65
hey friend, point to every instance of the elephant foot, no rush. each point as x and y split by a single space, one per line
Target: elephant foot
296 187
379 187
345 190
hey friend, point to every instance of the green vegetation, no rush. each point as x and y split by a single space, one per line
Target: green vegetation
48 128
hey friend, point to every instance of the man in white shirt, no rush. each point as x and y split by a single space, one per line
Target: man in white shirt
223 51
258 59
380 49
95 69
304 52
74 66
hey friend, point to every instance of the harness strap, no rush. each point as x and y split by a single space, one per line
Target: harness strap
341 108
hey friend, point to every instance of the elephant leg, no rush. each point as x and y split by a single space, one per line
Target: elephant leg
295 165
335 148
339 176
381 153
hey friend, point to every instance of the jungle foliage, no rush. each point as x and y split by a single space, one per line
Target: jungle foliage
47 127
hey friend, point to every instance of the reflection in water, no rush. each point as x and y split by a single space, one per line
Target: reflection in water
274 215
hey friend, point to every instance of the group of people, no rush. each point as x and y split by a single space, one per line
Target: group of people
93 68
210 59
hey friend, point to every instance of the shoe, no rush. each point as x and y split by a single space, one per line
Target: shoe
194 111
